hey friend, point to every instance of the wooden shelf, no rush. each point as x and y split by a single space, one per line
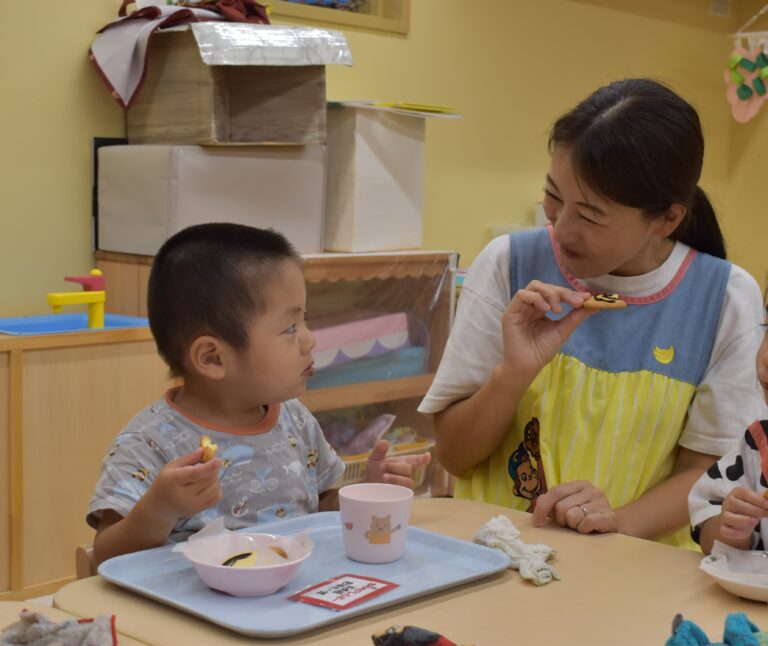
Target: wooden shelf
331 267
370 392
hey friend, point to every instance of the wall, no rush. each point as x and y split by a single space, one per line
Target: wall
53 104
511 67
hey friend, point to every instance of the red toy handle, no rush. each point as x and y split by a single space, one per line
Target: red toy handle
90 283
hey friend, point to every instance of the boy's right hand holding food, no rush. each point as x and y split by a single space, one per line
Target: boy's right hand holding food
185 487
742 510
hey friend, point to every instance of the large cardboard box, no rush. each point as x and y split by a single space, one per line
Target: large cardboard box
147 193
375 180
225 83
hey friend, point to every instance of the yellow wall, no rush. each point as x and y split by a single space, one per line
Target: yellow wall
510 66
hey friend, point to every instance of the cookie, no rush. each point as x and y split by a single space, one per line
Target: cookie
209 449
604 302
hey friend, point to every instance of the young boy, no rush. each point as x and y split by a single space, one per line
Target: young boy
227 308
728 503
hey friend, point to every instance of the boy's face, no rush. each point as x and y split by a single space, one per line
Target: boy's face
762 360
278 360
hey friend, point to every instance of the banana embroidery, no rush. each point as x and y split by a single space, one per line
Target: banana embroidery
664 355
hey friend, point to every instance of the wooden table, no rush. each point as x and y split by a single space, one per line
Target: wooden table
614 590
9 614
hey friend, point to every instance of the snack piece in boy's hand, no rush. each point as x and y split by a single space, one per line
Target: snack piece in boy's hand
209 449
604 302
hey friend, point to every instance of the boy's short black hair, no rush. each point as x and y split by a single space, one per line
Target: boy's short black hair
209 279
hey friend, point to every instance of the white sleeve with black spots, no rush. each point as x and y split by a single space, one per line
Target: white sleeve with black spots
738 468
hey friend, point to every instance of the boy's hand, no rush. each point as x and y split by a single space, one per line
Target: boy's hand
185 486
397 470
742 510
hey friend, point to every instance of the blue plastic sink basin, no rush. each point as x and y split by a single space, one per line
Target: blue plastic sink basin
64 323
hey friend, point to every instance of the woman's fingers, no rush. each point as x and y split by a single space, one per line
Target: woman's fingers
578 505
546 297
598 521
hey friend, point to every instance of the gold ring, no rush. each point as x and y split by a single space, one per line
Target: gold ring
584 509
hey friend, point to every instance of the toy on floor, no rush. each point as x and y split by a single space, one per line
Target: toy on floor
739 631
93 295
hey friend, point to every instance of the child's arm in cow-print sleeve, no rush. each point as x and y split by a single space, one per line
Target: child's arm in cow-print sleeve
727 503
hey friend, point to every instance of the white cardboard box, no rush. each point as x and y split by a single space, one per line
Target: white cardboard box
375 180
147 193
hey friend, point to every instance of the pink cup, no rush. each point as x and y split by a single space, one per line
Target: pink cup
374 521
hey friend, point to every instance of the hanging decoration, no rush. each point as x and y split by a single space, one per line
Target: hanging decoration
746 74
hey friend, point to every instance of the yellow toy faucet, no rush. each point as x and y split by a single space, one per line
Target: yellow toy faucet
93 295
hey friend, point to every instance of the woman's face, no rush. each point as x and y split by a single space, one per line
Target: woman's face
597 236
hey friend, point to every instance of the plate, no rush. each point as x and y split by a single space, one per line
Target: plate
741 572
432 562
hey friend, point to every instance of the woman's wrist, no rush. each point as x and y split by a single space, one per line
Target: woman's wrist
624 522
513 378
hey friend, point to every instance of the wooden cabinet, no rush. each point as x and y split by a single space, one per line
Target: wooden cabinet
65 397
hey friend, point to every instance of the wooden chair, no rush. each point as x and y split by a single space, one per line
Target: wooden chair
85 564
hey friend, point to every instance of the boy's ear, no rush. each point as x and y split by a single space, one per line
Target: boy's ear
672 219
206 357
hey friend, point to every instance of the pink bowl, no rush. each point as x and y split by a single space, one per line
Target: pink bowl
206 555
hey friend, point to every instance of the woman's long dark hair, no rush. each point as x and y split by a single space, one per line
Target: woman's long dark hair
637 143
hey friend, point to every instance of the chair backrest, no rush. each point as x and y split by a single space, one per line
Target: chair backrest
85 564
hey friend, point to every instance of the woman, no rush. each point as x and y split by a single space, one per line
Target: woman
604 420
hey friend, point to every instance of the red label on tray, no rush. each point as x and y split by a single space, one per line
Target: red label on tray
343 591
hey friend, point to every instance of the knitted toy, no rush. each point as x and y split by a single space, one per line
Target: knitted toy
739 631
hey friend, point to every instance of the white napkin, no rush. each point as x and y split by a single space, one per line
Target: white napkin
214 542
530 560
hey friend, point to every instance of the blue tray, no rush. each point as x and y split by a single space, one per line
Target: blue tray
432 562
65 323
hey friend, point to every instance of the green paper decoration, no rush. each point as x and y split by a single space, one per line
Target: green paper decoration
744 92
747 64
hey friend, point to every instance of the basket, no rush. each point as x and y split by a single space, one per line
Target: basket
355 464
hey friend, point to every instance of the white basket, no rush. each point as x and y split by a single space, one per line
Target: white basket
355 464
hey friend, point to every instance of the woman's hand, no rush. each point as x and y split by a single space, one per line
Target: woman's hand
578 505
531 340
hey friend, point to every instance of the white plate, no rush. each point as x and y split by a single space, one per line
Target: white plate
743 573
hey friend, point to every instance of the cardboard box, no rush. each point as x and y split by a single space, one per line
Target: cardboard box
225 83
375 180
147 193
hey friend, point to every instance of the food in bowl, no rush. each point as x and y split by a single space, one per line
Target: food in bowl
268 572
270 555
